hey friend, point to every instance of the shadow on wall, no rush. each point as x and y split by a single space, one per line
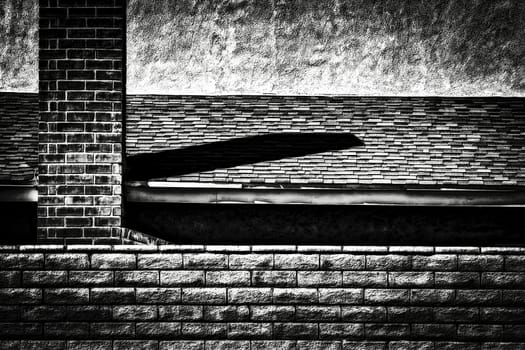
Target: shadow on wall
18 223
302 224
235 152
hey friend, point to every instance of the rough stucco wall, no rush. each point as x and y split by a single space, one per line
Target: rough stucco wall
469 47
18 45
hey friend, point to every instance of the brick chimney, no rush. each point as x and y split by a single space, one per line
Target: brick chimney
81 95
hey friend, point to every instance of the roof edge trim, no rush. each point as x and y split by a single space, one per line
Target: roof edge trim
458 198
18 193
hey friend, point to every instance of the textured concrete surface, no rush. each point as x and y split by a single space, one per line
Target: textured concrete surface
334 46
467 47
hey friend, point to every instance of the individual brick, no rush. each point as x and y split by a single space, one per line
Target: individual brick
390 330
274 278
319 278
67 261
295 331
480 262
80 313
228 344
158 329
514 263
437 262
364 345
410 279
23 261
205 261
10 279
66 329
340 330
201 330
249 295
112 295
388 262
411 345
182 278
66 295
342 262
343 296
113 261
410 314
9 313
319 345
162 261
434 331
134 312
456 314
251 261
318 313
295 295
501 346
512 297
503 314
36 313
112 329
39 345
20 329
456 345
273 345
135 345
363 313
386 296
228 278
272 313
180 312
364 279
90 278
182 345
479 331
432 296
226 313
296 261
503 279
204 295
478 297
457 279
136 278
249 330
158 295
513 332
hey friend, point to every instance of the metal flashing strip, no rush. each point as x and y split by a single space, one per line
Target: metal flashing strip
216 195
20 193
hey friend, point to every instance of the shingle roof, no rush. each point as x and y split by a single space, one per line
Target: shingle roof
18 137
430 141
457 142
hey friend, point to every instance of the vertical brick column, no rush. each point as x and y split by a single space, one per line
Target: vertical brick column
81 91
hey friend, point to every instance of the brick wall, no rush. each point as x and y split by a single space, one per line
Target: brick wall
80 140
257 297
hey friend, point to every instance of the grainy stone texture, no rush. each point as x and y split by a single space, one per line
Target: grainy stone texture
101 299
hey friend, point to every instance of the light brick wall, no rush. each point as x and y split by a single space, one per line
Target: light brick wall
255 297
80 140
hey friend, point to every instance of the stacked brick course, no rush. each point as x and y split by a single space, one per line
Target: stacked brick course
80 140
257 297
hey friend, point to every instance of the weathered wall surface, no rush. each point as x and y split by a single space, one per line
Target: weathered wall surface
288 297
19 45
468 47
